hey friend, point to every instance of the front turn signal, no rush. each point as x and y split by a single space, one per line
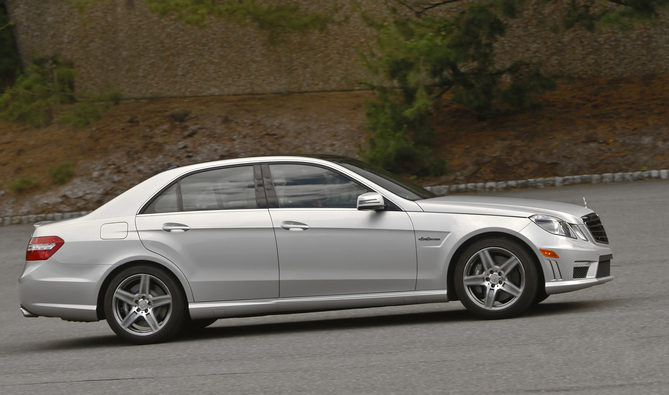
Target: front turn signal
549 253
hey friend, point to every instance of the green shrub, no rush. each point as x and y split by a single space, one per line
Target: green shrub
62 173
81 114
23 184
43 87
43 84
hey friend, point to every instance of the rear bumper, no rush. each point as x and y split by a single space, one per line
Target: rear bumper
51 289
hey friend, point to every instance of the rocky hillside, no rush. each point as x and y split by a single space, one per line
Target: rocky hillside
586 127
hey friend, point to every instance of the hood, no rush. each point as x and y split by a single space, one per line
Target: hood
510 207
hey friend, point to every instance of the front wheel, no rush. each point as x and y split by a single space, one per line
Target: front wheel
496 278
144 304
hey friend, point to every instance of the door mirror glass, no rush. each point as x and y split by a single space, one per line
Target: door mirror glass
371 201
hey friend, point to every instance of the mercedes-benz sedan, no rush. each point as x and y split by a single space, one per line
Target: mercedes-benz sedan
274 235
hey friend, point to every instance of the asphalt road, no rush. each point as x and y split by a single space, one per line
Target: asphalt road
610 339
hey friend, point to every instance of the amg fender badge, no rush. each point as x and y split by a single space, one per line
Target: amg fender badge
423 238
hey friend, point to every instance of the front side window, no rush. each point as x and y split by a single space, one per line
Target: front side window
219 189
304 186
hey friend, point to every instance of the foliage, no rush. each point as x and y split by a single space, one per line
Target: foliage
81 114
23 184
43 84
43 87
10 61
418 59
275 18
62 173
622 13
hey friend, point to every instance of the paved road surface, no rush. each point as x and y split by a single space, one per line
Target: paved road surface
611 339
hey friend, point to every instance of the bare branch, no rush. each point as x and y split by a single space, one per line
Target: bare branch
10 23
429 6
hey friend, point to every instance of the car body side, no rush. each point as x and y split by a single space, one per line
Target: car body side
71 284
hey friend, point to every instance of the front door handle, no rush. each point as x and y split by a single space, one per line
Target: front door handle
174 227
294 226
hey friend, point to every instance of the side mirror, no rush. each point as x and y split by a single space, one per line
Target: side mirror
371 201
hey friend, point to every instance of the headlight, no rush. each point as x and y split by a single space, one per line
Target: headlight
580 231
553 225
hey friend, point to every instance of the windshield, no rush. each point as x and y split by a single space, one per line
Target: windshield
385 179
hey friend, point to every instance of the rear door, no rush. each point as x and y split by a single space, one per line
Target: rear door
216 227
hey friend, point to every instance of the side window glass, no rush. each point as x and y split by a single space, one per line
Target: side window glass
220 189
165 203
312 186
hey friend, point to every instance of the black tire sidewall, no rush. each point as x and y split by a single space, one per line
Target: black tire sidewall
531 279
177 316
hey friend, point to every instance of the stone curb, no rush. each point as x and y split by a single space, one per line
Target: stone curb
437 189
442 190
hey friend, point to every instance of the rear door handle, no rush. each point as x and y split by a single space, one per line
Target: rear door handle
294 226
174 227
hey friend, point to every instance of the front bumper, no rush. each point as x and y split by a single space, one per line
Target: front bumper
584 274
578 264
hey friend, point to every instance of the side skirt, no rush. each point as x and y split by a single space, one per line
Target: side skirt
256 307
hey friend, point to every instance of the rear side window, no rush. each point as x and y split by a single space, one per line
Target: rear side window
219 189
167 202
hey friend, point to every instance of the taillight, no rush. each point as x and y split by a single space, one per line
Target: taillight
41 248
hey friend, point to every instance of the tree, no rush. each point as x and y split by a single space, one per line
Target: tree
10 61
419 55
417 58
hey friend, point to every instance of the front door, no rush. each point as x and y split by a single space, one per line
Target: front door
328 247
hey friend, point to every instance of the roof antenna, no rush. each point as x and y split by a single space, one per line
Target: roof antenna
585 203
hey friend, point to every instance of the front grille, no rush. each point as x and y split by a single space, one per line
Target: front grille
596 228
604 269
580 271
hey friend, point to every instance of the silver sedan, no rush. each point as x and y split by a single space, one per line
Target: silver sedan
274 235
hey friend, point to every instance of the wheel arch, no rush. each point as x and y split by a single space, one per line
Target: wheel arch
450 276
110 276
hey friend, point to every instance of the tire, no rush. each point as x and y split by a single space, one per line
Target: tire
540 296
197 325
144 305
496 278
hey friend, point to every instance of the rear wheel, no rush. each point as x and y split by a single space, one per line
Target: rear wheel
496 278
144 304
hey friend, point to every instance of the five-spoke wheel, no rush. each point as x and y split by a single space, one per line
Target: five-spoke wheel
143 304
496 278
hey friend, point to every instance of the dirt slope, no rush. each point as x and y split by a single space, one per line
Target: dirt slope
587 127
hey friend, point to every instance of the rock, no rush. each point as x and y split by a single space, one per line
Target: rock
180 115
